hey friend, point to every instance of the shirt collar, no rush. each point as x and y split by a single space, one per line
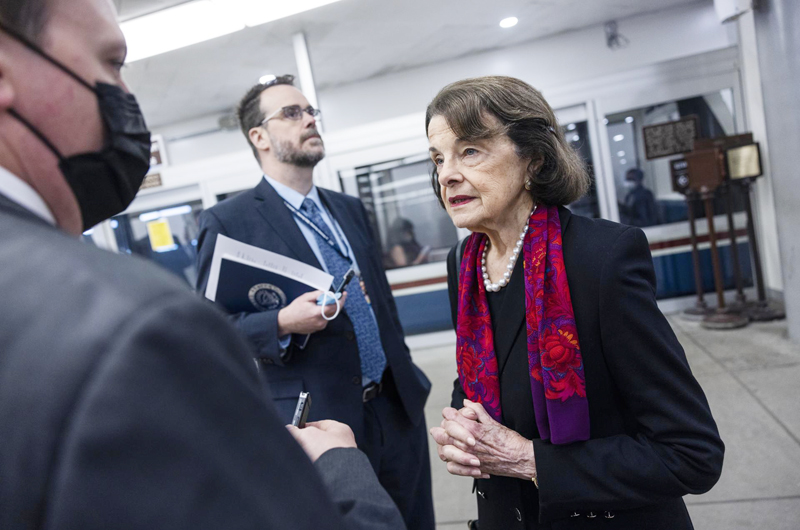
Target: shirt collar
294 197
23 194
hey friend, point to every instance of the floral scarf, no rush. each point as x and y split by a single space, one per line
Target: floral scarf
554 354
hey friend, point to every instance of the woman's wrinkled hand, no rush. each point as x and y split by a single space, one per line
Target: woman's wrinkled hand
474 445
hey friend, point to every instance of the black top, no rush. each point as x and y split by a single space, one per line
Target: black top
496 299
652 439
512 307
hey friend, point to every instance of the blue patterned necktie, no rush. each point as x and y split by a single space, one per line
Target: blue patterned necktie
373 359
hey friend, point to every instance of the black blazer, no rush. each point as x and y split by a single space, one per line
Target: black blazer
127 403
329 366
653 438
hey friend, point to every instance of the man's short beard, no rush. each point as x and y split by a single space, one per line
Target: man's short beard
288 154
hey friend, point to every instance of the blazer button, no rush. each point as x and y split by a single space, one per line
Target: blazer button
350 335
519 514
609 515
356 380
591 515
575 514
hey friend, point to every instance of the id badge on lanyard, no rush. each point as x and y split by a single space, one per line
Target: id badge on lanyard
308 222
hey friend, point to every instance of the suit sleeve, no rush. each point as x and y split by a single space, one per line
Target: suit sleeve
260 328
458 396
172 430
675 447
355 489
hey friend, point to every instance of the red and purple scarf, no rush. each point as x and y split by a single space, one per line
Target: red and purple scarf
554 354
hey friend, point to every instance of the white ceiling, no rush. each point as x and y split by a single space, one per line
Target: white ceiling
136 8
349 41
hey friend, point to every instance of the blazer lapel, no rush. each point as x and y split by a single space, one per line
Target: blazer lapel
564 215
271 207
512 326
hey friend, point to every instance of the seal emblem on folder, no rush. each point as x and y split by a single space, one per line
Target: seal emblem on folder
267 297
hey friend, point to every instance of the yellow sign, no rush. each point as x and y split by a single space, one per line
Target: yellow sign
160 235
744 162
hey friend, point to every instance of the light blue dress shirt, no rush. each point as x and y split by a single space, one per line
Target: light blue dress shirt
296 199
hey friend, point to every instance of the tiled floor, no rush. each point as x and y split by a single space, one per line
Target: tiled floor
751 377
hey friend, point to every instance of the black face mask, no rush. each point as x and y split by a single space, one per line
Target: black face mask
104 182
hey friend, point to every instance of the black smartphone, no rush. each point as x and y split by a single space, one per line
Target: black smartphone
337 293
301 411
349 275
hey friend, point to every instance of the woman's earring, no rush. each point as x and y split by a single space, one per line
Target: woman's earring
528 184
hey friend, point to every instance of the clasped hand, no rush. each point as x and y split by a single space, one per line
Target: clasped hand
474 445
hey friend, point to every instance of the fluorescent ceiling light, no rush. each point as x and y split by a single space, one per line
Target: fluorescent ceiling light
256 12
202 20
169 212
178 27
509 22
264 79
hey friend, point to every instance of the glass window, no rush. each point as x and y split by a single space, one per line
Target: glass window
413 229
644 187
167 236
577 134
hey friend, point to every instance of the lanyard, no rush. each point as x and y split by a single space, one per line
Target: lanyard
300 215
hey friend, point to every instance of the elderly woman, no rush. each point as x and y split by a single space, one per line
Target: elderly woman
574 401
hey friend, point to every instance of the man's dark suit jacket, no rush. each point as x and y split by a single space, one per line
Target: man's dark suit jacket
127 403
329 366
653 438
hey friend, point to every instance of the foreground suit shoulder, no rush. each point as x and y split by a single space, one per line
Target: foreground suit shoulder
133 405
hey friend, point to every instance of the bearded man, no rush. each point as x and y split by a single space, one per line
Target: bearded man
357 366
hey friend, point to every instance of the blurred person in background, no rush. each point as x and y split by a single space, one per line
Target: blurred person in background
125 402
357 367
640 207
574 400
404 249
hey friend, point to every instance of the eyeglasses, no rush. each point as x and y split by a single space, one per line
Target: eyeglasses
294 113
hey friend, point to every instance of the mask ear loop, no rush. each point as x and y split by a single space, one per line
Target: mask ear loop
47 143
332 296
44 55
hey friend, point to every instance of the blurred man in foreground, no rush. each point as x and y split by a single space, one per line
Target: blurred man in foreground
124 402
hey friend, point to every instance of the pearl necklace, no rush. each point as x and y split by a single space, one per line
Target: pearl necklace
512 261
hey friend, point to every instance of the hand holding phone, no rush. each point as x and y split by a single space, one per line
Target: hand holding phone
302 409
320 437
337 293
